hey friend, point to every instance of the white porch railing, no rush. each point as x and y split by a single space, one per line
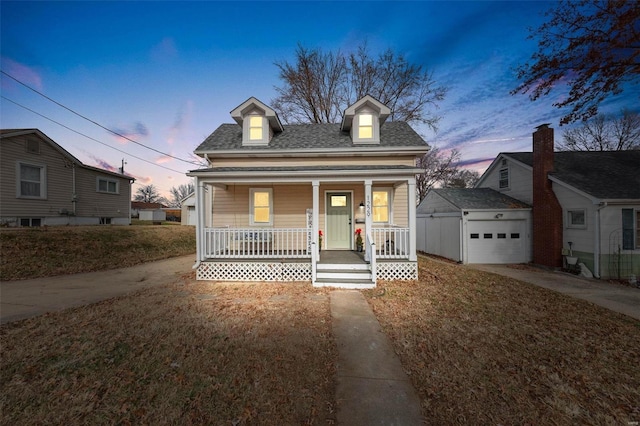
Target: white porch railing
266 243
370 255
391 242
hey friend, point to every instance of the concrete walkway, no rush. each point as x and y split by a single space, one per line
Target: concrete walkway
616 297
28 298
372 387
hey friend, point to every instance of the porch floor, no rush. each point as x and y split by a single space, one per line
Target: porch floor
341 257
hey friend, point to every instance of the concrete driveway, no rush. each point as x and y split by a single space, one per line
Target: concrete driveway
28 298
616 297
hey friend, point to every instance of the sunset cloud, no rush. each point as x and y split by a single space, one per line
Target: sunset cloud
180 122
133 131
22 72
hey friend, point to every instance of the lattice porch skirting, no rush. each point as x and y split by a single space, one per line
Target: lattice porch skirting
254 271
401 271
294 271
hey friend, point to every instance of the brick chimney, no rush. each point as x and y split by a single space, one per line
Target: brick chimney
547 212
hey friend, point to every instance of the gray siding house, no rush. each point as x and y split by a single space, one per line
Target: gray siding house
43 184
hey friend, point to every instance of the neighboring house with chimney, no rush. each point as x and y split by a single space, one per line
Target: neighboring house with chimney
41 183
590 199
293 202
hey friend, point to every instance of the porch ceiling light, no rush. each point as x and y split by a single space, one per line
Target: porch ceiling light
362 204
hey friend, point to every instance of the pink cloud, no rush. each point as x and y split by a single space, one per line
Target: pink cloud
132 131
103 164
164 159
22 72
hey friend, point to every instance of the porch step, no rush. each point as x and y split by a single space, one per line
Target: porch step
343 276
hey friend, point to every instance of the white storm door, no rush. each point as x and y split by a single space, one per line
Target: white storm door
338 221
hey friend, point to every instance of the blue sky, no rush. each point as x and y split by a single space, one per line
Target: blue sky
166 74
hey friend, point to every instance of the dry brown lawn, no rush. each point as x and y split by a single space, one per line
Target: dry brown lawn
61 250
187 353
484 349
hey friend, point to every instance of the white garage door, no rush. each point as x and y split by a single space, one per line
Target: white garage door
496 241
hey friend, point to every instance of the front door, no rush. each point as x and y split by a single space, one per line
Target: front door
338 221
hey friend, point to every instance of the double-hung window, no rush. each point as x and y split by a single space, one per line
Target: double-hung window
381 207
365 126
256 131
109 186
504 178
31 181
261 206
630 237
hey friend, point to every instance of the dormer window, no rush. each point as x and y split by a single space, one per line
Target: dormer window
256 128
258 121
363 120
365 126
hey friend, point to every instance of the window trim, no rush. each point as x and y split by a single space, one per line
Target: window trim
108 180
252 221
43 181
389 192
569 217
246 129
507 179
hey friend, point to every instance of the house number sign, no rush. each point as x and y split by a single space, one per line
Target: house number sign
368 207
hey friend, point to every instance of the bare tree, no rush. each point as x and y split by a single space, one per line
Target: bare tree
593 46
149 194
461 178
320 86
438 168
179 193
604 134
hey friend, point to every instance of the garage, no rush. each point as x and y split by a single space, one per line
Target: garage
474 225
496 241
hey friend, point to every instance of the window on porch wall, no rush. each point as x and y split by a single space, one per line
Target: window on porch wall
380 206
261 207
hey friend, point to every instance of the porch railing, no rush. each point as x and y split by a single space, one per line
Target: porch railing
245 243
391 242
370 255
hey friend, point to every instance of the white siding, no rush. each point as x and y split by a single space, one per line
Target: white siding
520 181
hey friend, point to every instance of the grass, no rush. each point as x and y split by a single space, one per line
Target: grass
187 353
61 250
479 348
486 349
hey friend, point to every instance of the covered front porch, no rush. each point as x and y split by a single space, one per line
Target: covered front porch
290 228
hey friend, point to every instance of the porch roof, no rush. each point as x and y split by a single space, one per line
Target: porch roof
371 171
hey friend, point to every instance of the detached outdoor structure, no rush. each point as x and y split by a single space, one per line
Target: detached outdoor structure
285 202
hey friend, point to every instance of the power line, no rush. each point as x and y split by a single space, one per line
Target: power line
93 121
88 137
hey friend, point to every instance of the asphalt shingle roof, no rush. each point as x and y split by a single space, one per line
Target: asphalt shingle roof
607 175
479 199
228 137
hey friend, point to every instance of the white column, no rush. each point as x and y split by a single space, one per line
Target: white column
200 205
368 207
316 213
411 196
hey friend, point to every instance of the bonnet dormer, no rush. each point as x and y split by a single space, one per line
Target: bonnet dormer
258 122
363 120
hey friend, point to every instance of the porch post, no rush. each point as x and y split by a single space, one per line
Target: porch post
368 214
316 214
199 220
411 196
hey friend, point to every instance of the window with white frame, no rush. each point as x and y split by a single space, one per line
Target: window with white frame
261 206
31 181
109 186
504 178
638 229
576 218
381 207
365 126
256 130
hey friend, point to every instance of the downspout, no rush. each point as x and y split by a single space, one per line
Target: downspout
461 241
596 248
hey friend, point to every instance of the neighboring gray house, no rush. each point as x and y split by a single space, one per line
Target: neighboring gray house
589 199
474 226
43 184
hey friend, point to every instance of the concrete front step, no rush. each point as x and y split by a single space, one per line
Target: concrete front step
344 283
